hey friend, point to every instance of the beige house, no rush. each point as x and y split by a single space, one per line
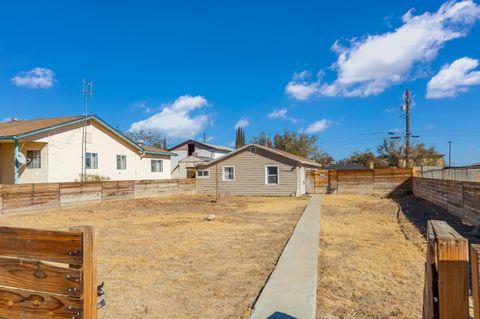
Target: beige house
255 170
64 149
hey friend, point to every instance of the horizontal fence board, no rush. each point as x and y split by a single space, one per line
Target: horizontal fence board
55 246
461 199
19 304
38 276
23 197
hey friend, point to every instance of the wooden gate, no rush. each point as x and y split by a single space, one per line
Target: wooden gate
317 181
48 274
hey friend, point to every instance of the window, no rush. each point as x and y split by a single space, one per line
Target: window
121 161
91 160
204 173
229 173
157 166
253 149
271 175
34 159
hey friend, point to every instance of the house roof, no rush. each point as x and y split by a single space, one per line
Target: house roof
346 165
296 158
18 129
211 146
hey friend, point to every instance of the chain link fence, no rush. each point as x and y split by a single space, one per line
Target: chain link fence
465 173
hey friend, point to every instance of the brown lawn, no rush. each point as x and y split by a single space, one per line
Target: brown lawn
160 258
367 267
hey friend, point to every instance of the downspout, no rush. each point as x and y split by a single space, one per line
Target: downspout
15 162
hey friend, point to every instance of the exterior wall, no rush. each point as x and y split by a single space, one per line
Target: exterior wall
62 157
250 175
182 153
34 175
6 163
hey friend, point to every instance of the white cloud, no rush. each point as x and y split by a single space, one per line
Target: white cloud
318 126
367 66
281 114
278 114
454 78
243 122
37 78
175 120
301 90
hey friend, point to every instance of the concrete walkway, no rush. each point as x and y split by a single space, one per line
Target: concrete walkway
291 291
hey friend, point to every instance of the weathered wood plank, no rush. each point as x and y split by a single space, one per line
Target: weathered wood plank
55 246
19 304
89 268
38 276
475 261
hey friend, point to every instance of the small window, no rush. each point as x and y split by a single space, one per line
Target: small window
34 159
204 173
121 162
228 173
253 149
157 166
271 175
91 160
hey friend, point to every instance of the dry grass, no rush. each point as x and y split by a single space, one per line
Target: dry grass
160 258
367 267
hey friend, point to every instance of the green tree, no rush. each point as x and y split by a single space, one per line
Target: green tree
322 158
263 139
239 137
299 144
366 159
151 138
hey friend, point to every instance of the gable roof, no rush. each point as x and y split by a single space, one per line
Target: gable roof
296 158
211 146
18 129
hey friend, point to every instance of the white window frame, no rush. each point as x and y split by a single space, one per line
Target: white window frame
223 173
161 165
34 159
266 174
203 176
93 163
121 157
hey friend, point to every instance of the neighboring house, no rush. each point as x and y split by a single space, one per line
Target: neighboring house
191 153
54 150
255 170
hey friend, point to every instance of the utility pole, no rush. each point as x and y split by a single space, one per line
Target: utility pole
87 92
449 153
407 126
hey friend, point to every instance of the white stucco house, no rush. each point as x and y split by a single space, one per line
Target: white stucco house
64 149
191 153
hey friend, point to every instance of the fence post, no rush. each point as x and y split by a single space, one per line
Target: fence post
449 252
89 269
474 256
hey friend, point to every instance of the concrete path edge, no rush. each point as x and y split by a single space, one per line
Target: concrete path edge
291 290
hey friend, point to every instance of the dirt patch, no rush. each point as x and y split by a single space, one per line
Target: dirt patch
368 268
160 258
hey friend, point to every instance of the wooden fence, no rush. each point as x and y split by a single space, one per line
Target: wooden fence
461 199
383 181
36 196
31 286
445 293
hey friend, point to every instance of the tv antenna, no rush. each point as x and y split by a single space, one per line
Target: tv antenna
87 92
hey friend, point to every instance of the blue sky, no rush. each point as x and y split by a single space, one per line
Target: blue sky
333 68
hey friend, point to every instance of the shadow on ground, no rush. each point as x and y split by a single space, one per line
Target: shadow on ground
280 315
419 211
